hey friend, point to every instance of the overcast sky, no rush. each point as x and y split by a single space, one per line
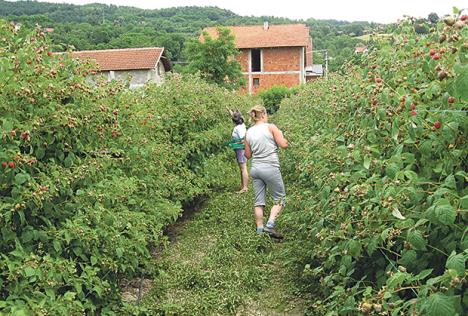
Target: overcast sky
350 10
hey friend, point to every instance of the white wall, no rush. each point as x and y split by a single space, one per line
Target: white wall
138 77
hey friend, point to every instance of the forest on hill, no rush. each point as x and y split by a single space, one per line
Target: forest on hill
100 26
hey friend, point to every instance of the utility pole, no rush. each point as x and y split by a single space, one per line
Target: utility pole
326 60
326 64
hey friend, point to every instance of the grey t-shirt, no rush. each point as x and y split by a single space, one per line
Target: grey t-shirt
263 146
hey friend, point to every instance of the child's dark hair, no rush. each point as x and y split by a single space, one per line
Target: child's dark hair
237 118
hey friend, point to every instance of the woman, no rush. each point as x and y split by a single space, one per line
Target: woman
261 144
238 135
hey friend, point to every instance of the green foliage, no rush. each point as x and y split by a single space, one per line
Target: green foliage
97 172
99 26
214 59
272 97
377 178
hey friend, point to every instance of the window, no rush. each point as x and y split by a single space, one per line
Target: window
256 82
256 60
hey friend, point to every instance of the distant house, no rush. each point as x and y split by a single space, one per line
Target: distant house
314 71
361 50
140 65
271 54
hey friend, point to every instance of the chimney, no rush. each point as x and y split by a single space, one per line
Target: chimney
265 26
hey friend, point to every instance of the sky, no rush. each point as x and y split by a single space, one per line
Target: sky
350 10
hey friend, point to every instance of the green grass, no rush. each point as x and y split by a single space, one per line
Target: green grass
217 265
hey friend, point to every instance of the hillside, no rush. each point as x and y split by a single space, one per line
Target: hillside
99 26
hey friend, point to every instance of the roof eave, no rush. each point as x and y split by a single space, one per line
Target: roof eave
125 69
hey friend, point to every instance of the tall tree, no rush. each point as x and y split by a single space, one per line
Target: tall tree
214 59
433 18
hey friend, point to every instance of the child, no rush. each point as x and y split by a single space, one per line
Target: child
261 144
238 134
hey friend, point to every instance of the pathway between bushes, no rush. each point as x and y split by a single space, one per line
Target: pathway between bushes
215 264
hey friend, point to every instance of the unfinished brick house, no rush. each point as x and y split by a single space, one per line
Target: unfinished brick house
272 54
139 65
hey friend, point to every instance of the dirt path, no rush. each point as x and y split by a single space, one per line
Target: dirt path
217 265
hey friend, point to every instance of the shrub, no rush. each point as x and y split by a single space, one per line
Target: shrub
272 97
378 180
90 174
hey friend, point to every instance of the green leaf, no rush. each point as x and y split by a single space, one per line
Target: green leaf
450 182
354 248
410 175
442 212
7 125
423 274
367 162
392 170
57 245
416 240
461 82
68 162
40 153
119 252
21 178
456 262
397 279
408 257
439 304
373 245
29 271
464 202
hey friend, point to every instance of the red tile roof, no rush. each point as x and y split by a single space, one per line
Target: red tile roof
123 59
255 36
360 49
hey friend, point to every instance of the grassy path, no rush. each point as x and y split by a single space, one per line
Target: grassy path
217 265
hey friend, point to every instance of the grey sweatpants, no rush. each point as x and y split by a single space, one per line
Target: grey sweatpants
264 177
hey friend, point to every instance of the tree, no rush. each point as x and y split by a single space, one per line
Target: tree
420 26
214 59
433 18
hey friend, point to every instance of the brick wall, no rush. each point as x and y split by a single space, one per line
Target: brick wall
274 59
267 81
282 59
277 59
309 55
243 59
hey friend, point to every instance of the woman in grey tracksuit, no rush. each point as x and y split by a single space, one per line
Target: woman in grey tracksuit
261 144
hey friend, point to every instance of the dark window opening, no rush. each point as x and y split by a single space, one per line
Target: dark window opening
256 82
256 60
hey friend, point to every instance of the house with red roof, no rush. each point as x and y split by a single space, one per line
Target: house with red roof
138 65
271 54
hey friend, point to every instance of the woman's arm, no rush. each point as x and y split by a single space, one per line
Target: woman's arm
247 150
278 136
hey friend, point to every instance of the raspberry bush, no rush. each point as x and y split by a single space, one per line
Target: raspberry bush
91 173
378 172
